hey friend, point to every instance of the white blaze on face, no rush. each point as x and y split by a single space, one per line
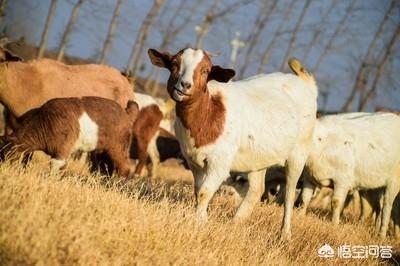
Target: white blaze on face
189 61
88 134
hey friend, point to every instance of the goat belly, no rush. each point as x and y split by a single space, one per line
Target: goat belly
88 134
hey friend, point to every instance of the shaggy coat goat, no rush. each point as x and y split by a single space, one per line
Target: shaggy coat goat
63 126
356 151
245 126
25 86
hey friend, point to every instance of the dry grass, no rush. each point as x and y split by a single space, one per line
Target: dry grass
77 218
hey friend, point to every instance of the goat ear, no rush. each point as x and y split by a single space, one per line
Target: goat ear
221 74
160 59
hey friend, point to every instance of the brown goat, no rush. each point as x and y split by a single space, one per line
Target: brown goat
66 125
145 131
25 86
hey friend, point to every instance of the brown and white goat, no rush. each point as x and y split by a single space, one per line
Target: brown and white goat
25 86
243 126
146 131
63 126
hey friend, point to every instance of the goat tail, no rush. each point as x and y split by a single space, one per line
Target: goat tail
298 68
132 109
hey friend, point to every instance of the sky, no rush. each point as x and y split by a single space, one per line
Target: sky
336 74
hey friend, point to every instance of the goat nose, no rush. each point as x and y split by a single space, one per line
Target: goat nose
186 85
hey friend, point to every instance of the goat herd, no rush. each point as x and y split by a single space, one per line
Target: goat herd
222 127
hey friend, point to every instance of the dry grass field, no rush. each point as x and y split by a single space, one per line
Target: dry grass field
72 217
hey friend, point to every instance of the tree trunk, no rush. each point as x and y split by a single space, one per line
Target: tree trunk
3 5
151 84
293 39
317 32
380 70
211 16
68 29
259 25
137 50
362 74
156 84
268 49
46 30
202 29
110 33
334 35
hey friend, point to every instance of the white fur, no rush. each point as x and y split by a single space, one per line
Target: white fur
356 151
269 121
190 59
56 164
144 100
88 134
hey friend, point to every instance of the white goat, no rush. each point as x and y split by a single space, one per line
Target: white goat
356 151
244 126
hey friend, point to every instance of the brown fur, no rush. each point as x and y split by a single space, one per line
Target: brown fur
54 128
24 86
205 118
144 129
201 113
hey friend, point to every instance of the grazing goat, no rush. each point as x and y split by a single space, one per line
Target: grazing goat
245 126
146 130
355 151
66 125
25 86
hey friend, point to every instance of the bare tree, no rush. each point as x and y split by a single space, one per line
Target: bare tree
318 32
3 5
110 33
46 30
267 52
68 29
362 74
293 38
252 39
202 29
172 30
380 70
211 16
337 31
137 50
